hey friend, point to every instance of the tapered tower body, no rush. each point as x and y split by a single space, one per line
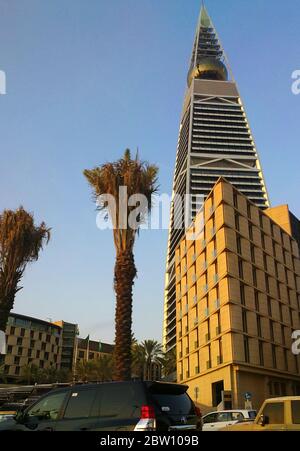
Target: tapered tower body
214 141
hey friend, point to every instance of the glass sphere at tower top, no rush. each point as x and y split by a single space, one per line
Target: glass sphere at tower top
208 69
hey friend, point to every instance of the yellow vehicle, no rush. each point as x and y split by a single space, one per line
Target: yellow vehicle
276 414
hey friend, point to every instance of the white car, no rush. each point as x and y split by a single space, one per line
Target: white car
214 421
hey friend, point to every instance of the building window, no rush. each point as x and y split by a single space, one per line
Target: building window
12 330
248 210
17 360
29 352
17 371
235 200
32 343
246 349
250 232
237 222
261 353
256 298
31 333
48 338
40 335
38 353
238 245
241 272
244 318
19 341
254 276
9 349
22 332
271 330
43 346
267 283
274 356
269 306
263 241
252 250
46 355
20 351
242 291
258 325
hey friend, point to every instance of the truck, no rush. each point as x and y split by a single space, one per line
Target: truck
276 414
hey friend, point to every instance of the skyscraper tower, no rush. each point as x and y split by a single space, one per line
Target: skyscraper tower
214 140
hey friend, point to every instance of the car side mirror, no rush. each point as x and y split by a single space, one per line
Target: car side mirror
263 420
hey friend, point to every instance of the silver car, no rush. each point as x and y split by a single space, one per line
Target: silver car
214 421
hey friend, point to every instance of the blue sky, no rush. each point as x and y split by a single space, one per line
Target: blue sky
85 80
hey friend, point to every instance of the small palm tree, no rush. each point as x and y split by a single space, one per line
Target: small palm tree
85 370
139 178
104 368
168 362
153 353
138 360
20 243
31 374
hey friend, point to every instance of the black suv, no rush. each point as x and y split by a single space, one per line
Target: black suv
113 406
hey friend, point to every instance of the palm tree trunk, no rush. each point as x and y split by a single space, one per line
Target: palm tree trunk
125 273
6 304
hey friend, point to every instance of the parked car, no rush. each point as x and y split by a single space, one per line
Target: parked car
114 406
276 414
214 421
7 413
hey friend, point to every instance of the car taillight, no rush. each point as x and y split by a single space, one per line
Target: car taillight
147 412
198 412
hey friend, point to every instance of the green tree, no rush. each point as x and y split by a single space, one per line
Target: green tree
139 178
20 243
31 374
153 353
104 368
168 362
85 370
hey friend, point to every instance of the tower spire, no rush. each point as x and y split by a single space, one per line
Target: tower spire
208 57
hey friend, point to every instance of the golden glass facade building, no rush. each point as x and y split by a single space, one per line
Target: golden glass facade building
237 301
214 140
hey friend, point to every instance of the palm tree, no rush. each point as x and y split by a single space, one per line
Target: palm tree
85 370
138 360
31 374
139 178
153 353
168 362
104 368
20 244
